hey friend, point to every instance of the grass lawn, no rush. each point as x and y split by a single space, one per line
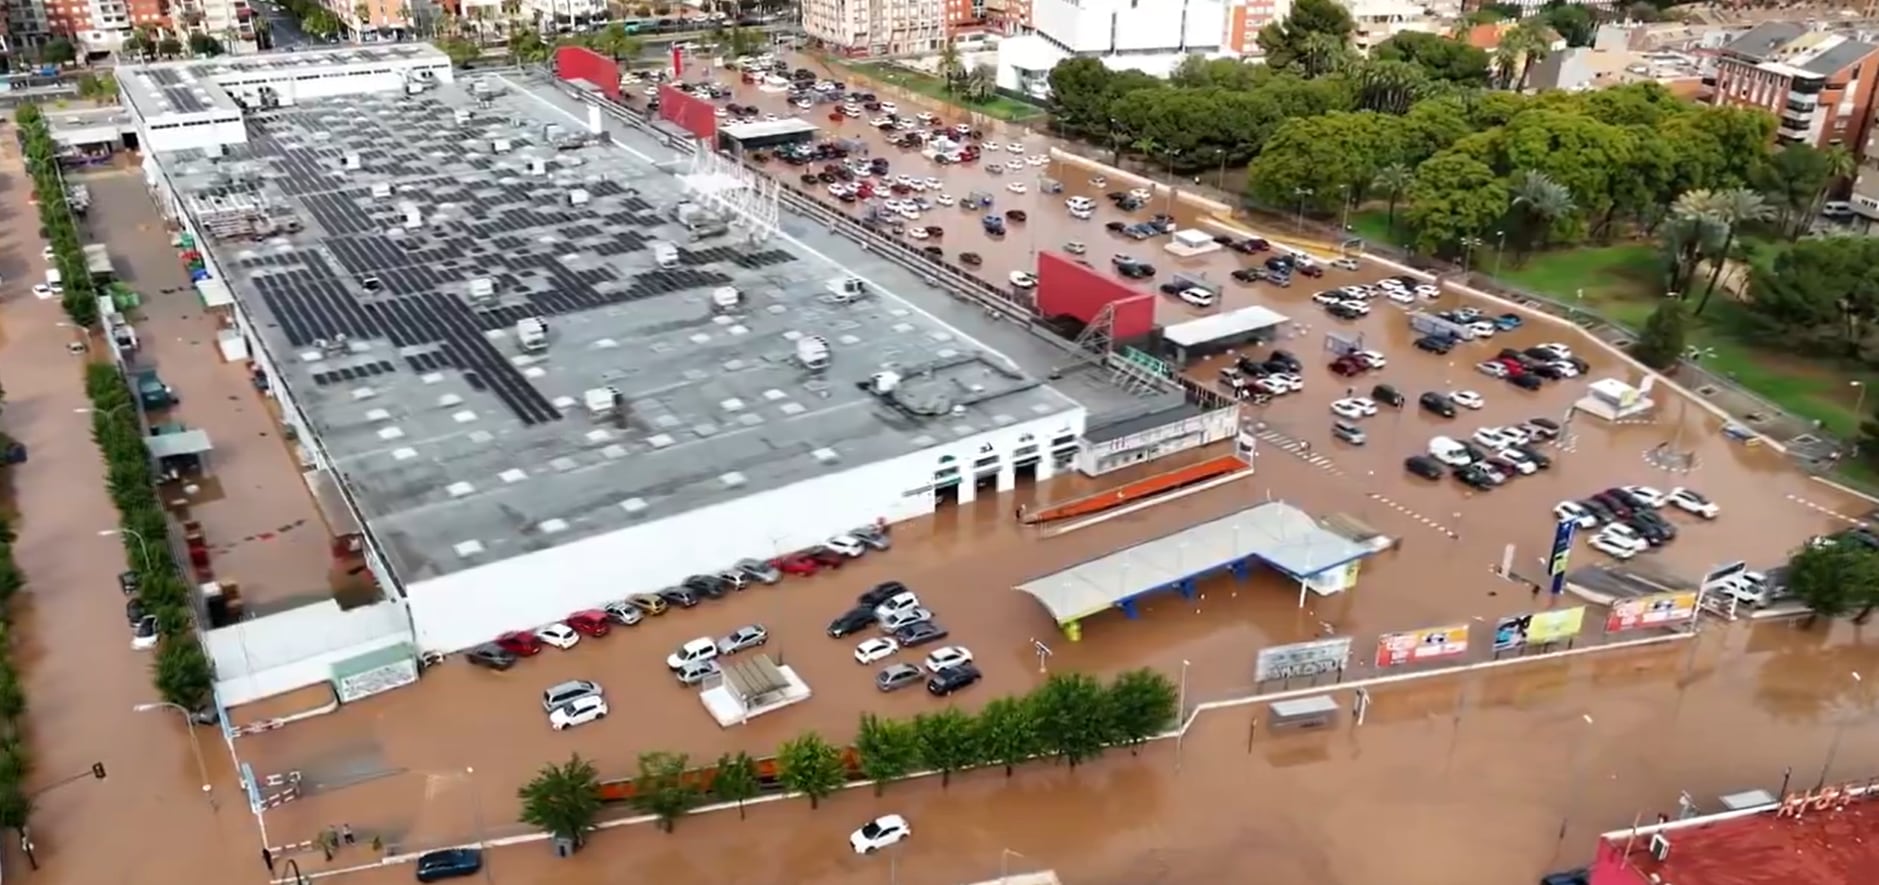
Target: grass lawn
998 106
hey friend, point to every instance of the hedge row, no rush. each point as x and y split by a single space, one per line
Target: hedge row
14 762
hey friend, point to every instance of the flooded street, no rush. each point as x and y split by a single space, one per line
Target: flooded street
1451 779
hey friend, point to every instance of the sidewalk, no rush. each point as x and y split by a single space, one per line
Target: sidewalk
148 821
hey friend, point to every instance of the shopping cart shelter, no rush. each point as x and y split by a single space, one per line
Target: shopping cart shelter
1274 535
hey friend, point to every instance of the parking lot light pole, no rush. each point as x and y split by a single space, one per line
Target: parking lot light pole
195 743
476 812
1839 730
1180 716
1859 409
1500 248
1301 193
1004 863
143 551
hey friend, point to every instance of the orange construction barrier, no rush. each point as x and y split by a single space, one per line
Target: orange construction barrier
1135 491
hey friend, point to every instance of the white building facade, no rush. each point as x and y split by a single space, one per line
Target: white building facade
876 27
1153 37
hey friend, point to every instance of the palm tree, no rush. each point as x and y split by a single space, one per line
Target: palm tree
1394 181
1691 232
1840 166
950 66
1321 53
1539 202
1730 209
1388 87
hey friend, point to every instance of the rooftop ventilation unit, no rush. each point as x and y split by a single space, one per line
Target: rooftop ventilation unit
813 352
593 119
352 161
883 383
603 402
1660 847
847 290
381 190
500 146
726 299
578 197
482 289
413 216
532 333
537 166
463 116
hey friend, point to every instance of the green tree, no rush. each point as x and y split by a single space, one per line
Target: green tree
1791 179
1691 233
58 51
136 46
1073 717
1660 343
807 764
170 47
1007 732
1835 578
1323 160
1819 290
1442 58
947 742
1142 704
1290 43
1079 89
12 695
460 51
16 808
889 749
745 41
183 674
204 45
1392 182
662 790
950 66
1453 197
563 800
1573 22
1731 209
736 780
1539 203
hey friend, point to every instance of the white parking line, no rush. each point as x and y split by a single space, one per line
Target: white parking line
1412 514
1828 511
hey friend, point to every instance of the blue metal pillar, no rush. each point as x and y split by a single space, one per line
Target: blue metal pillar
1242 569
1186 587
1128 609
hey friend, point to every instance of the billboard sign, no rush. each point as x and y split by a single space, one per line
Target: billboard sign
1302 659
1563 533
1538 628
1419 646
1654 610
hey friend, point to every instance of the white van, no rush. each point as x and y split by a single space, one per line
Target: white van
1449 452
54 278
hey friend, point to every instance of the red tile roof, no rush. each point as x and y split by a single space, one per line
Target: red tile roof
1825 847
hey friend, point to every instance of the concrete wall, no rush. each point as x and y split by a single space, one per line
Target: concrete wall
279 653
474 606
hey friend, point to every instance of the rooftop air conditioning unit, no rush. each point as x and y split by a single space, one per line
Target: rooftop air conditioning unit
578 197
381 190
848 290
593 119
463 116
813 352
537 166
500 146
1660 847
602 401
414 217
532 332
482 289
725 299
883 383
352 161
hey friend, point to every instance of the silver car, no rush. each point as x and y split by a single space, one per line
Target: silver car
743 638
758 570
874 536
895 620
624 613
897 676
696 671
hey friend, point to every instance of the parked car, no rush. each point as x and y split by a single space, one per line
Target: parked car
920 633
875 537
624 613
707 586
798 564
1423 466
700 649
592 622
1437 344
568 692
1437 403
749 636
491 656
952 679
449 863
881 593
897 676
950 656
854 620
758 570
679 596
520 643
648 603
879 833
696 672
871 650
901 617
847 545
1692 502
826 557
578 712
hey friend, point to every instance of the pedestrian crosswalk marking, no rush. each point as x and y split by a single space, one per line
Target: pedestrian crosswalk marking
1413 515
1300 449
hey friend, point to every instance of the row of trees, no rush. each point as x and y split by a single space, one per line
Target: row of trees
151 43
57 224
15 805
1071 717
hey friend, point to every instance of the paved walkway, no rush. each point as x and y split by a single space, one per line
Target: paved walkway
148 821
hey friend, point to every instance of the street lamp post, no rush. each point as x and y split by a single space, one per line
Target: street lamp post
1859 409
195 743
143 551
1301 193
1833 749
1180 718
1221 182
1500 248
1468 245
1344 218
1004 863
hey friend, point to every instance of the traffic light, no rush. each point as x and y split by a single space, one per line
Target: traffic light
97 770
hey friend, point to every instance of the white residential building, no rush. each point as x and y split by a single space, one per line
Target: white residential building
1151 36
876 27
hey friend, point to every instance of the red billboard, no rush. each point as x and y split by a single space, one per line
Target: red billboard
581 63
690 113
1067 288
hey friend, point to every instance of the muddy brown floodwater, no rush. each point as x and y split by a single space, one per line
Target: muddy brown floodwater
1450 780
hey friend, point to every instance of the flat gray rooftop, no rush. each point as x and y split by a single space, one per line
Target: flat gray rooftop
461 449
189 86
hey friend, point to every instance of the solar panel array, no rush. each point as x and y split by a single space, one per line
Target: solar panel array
371 278
177 91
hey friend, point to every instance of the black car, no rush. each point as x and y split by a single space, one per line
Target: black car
1437 403
134 611
127 582
1250 245
1474 477
1617 508
1387 395
855 620
1658 524
1649 531
488 655
450 863
1548 424
1344 312
1423 466
1279 264
1526 381
1135 270
1539 458
1435 343
952 679
920 633
1548 371
882 592
1250 366
1286 359
679 596
708 586
1249 275
1172 288
1475 451
1598 509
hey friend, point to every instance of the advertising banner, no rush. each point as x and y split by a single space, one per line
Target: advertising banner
1655 610
1314 658
1563 533
1418 646
1538 628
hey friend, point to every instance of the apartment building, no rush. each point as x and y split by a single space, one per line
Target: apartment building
1007 17
1245 19
1152 36
859 28
551 15
1818 84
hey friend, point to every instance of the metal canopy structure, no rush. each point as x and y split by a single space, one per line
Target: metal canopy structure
1222 326
177 444
1275 533
753 678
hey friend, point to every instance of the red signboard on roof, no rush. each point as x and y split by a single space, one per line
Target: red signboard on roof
1068 288
689 112
581 63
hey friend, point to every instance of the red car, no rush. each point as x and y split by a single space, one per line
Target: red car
520 643
826 557
590 623
797 564
1348 366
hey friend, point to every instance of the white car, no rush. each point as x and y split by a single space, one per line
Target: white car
144 636
1327 298
917 233
1427 292
1449 452
1482 329
1141 194
895 620
847 545
704 648
1016 187
888 107
1497 437
1575 513
802 103
1037 160
1015 148
1651 497
721 113
560 636
1518 459
879 833
1075 247
44 292
1286 382
1492 369
1565 369
1080 203
1356 306
932 184
875 649
945 199
1559 351
1353 408
948 657
1373 359
1021 280
1401 296
1467 399
579 711
1690 501
1617 546
1198 297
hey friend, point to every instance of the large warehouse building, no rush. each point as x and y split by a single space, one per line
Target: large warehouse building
503 352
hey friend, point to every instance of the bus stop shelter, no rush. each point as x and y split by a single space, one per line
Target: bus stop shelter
1274 534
